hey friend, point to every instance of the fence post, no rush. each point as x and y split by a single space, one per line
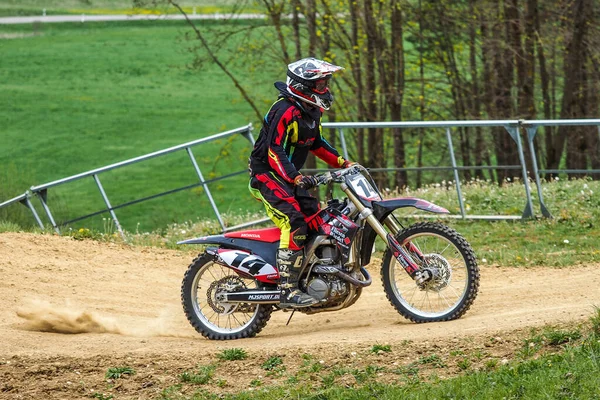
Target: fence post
42 195
27 203
343 143
110 209
455 170
531 131
513 131
205 186
248 134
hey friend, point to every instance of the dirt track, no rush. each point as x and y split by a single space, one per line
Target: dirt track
124 304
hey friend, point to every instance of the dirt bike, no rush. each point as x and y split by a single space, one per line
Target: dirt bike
429 271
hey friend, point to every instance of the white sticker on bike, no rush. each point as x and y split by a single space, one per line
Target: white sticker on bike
363 188
247 262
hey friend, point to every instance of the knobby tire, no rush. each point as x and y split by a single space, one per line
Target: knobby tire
258 320
460 307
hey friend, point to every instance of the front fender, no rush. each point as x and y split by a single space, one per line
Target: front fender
381 210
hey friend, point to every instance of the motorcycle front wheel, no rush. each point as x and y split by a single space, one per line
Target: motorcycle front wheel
203 281
449 257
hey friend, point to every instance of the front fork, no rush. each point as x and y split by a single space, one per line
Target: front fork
399 252
391 224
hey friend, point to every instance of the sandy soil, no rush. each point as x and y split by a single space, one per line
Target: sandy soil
119 306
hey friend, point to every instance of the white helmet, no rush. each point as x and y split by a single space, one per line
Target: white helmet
308 80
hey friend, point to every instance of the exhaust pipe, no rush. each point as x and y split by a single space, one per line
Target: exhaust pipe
324 269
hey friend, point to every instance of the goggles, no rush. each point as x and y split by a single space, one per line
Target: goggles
321 85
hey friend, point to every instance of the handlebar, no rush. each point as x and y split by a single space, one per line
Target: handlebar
325 178
336 176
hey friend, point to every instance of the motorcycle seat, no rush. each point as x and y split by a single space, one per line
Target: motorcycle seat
267 235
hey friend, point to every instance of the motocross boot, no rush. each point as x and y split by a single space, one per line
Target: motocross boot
288 264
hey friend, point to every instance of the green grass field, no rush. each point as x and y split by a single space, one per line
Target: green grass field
81 96
61 7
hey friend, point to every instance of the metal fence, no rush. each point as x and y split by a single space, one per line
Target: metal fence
531 128
41 191
512 127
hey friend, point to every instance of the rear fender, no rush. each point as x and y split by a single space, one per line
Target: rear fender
266 251
382 209
214 239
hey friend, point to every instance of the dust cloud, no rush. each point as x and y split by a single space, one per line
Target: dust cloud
42 316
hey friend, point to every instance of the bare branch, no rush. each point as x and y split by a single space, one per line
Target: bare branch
216 60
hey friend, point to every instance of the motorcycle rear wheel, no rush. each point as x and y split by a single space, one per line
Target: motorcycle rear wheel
456 280
213 319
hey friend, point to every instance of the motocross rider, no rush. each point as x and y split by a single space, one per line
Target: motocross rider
291 129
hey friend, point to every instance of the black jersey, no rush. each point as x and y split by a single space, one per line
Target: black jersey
288 133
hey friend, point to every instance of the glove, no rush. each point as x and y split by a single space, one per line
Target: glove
306 181
348 164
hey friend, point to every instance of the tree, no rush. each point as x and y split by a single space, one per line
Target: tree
580 97
468 59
